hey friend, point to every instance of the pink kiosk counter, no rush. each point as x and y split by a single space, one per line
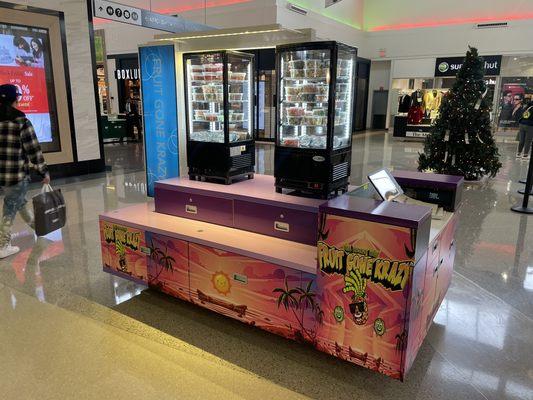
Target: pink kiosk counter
354 277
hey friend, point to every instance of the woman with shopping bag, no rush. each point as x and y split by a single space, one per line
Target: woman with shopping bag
18 147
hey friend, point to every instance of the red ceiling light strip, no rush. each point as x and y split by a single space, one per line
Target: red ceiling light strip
453 21
198 5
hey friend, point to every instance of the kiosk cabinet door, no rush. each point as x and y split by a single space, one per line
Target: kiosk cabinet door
168 265
363 290
416 327
246 289
429 307
123 251
447 257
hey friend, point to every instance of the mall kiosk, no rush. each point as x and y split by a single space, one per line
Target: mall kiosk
358 277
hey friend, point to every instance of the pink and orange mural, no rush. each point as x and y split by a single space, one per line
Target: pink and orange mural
122 250
265 295
368 304
168 265
364 276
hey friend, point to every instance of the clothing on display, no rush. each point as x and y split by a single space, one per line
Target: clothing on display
415 115
417 98
404 103
432 101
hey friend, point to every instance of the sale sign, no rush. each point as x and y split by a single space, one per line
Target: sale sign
22 63
31 83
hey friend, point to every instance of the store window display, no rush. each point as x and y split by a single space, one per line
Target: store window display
516 92
419 101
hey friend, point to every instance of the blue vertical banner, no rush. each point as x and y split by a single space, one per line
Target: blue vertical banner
159 100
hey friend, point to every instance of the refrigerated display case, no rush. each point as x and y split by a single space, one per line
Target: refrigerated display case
219 98
314 117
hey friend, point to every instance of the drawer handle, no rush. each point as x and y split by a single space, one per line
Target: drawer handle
435 246
240 278
281 226
452 244
189 208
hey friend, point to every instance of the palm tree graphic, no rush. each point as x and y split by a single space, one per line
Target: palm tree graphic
300 299
162 259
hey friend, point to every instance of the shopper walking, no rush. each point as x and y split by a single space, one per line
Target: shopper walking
18 147
525 132
133 119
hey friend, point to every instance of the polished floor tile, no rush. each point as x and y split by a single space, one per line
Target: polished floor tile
68 330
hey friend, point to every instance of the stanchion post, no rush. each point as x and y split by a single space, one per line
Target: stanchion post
523 208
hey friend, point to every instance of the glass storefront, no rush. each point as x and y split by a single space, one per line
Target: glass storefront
514 92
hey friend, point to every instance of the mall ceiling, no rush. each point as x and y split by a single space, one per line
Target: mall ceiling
376 15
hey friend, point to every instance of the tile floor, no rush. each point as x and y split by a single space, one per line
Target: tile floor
70 331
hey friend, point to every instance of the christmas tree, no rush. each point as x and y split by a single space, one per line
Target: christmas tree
461 141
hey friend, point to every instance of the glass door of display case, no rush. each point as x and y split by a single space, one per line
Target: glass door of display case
304 98
205 97
240 100
266 106
344 89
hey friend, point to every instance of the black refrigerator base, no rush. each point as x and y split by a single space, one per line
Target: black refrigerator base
227 180
303 189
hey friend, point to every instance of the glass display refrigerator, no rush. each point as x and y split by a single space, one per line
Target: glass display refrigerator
314 117
219 99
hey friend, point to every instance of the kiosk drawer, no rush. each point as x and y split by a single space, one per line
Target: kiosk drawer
194 206
284 223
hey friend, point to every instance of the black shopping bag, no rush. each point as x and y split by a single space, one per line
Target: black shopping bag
49 209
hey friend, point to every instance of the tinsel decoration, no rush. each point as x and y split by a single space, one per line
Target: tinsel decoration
478 102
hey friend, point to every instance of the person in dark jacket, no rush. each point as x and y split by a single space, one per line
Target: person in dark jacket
525 132
133 119
18 147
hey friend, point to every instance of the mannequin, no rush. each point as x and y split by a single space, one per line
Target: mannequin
417 98
416 111
404 103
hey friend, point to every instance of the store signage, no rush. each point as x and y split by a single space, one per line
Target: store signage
158 85
416 134
127 73
141 17
117 12
449 66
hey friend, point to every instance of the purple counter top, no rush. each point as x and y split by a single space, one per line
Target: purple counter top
437 181
261 190
383 212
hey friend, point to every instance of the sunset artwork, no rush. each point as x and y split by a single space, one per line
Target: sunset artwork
168 265
248 290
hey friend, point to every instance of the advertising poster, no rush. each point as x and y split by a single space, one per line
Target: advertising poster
364 276
124 251
25 63
516 93
158 85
